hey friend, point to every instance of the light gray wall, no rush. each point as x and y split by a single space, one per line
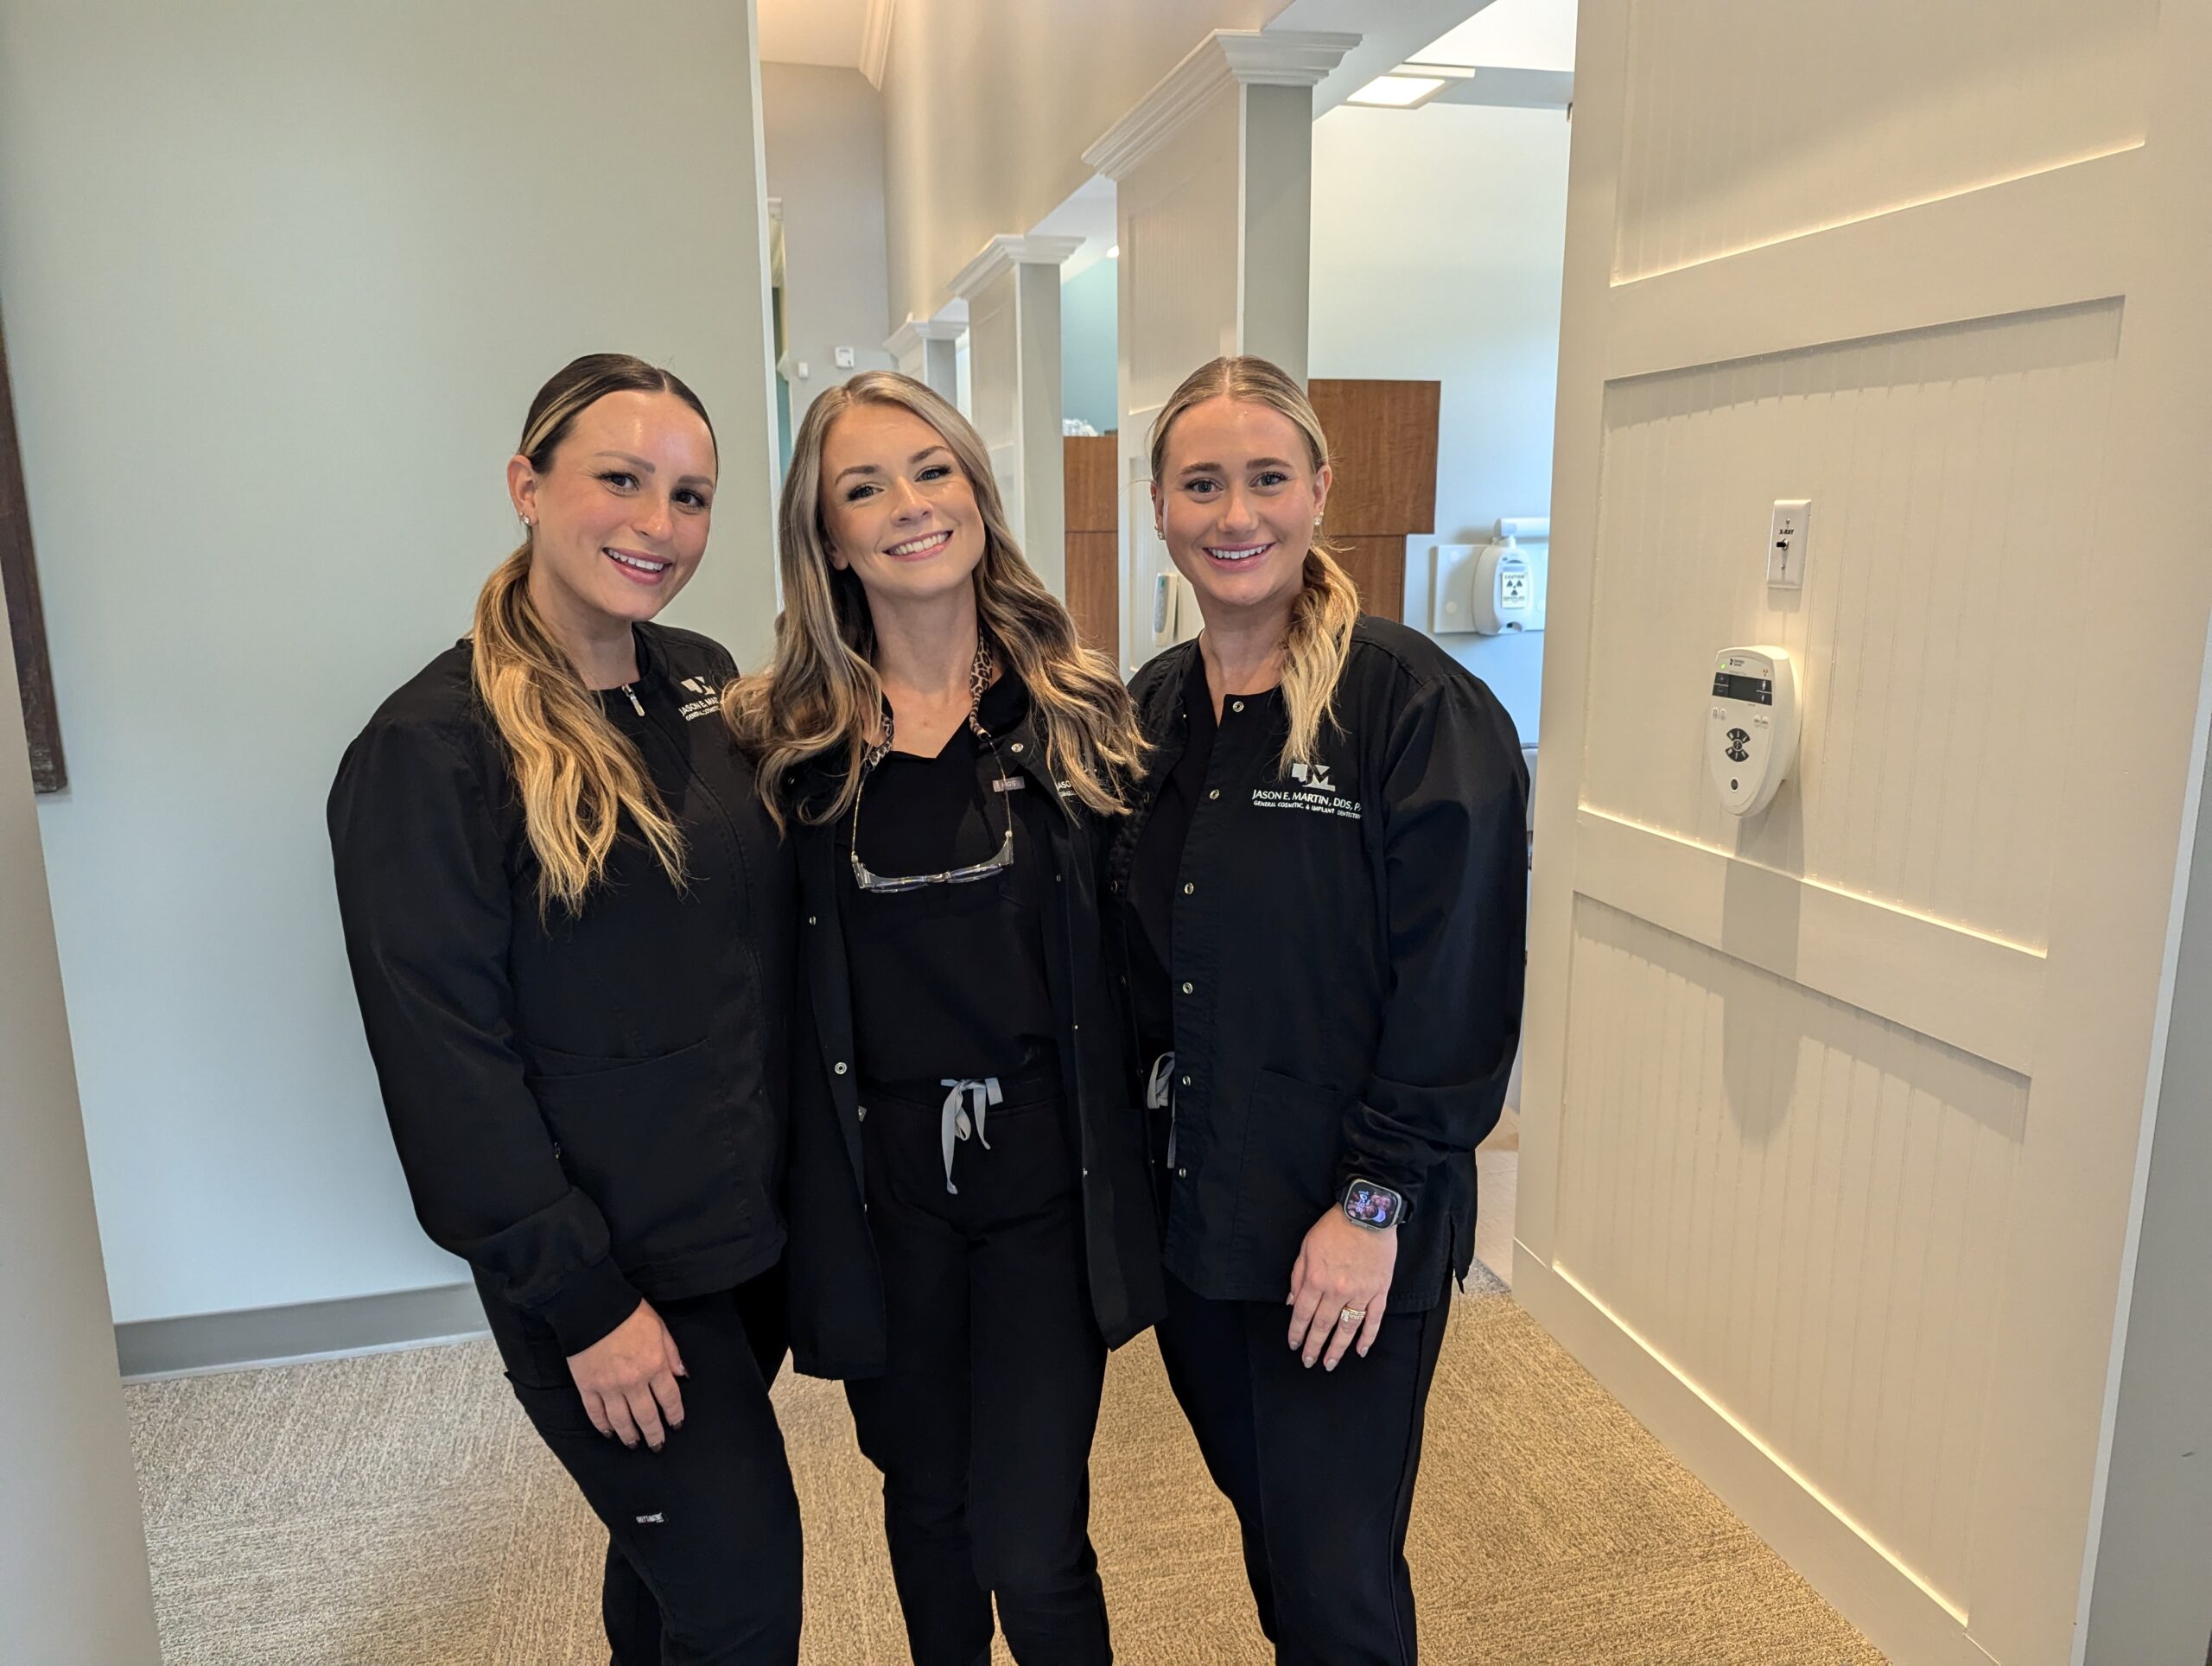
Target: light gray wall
279 282
1090 333
2150 1602
823 133
73 1554
989 105
1439 236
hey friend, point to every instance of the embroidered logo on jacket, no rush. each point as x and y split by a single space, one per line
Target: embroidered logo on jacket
1313 791
693 710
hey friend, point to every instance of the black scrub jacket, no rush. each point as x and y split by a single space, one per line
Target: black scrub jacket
1348 954
837 1288
589 1109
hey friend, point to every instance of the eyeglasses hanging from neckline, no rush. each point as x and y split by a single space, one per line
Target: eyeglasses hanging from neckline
979 678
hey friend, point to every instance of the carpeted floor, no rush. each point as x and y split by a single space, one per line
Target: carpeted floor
397 1511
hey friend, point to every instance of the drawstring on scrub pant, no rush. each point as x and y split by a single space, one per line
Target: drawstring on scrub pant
964 1109
1159 1095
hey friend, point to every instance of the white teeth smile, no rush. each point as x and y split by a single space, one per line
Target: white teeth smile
640 563
921 545
1243 553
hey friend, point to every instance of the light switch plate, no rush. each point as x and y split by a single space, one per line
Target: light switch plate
1788 541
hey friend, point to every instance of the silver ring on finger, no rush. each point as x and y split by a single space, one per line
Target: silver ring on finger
1351 1315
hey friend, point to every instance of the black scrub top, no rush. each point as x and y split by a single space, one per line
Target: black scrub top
1335 950
949 980
1152 875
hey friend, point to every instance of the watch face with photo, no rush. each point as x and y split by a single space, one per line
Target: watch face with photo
1366 1204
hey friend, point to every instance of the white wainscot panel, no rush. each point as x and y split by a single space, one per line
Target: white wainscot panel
1952 473
1749 122
1756 1179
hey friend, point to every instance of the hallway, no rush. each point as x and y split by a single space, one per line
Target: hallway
394 1511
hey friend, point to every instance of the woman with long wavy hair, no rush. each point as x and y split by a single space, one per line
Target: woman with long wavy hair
1321 912
970 1205
570 929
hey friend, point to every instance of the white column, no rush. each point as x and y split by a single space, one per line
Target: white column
1213 183
928 349
1012 291
72 1547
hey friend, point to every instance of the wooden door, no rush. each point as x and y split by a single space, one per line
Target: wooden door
1093 540
1382 454
1834 1116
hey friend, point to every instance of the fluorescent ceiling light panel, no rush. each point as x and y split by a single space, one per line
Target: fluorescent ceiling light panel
1398 91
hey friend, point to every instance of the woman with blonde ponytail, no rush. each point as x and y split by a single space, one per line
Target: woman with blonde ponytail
971 1220
570 927
1321 924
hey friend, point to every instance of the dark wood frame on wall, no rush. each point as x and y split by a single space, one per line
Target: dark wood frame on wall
26 624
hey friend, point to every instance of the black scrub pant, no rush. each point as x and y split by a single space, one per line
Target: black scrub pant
1319 1466
702 1555
983 1421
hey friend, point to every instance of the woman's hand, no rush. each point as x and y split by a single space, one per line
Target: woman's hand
1339 1267
627 1379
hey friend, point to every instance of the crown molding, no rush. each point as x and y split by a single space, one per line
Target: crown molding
875 40
915 331
1284 57
1003 252
1224 58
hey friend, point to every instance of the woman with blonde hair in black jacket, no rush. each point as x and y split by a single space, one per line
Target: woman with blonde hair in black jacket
569 924
1321 913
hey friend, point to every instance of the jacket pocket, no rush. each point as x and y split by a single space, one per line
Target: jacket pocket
1294 1131
656 1143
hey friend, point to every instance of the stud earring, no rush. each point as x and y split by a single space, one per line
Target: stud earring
1317 520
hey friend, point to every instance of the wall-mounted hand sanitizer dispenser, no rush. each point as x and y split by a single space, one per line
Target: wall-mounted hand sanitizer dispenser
1750 729
1175 616
1494 588
1167 608
1504 589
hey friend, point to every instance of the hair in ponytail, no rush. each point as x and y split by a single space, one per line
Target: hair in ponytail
1319 634
577 774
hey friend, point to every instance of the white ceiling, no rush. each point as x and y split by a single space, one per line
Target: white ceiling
1510 35
813 31
1088 214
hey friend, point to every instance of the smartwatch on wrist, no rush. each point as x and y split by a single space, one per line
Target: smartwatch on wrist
1371 1205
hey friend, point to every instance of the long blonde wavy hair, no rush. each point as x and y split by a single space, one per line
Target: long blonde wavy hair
577 774
820 695
1318 637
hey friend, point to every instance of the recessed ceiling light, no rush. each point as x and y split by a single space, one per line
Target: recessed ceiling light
1114 253
1410 85
1397 92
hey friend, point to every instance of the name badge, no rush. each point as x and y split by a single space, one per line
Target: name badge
1008 784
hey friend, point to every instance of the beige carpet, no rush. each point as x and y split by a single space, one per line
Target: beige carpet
397 1511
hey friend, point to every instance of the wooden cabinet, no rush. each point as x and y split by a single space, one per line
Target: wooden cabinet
1383 451
1094 559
